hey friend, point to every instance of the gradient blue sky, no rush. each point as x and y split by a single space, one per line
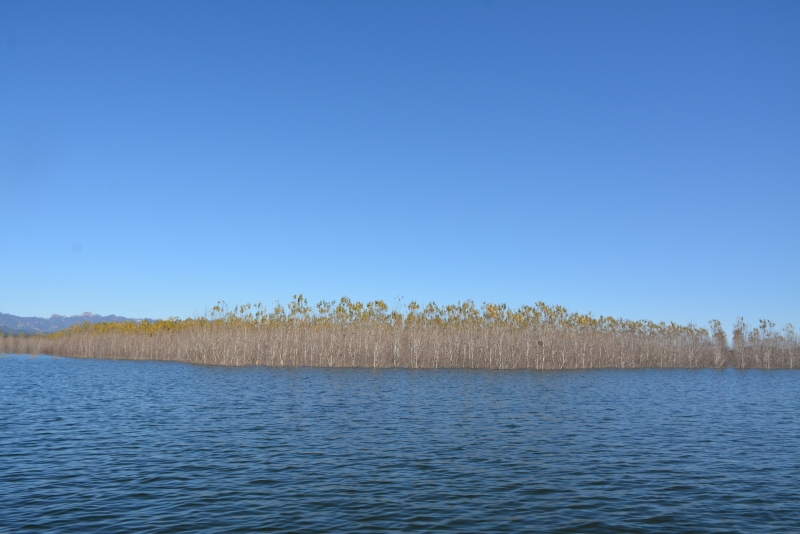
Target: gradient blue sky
638 159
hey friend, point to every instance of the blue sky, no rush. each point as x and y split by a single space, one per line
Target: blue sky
637 159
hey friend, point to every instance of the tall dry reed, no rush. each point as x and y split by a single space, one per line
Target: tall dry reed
353 334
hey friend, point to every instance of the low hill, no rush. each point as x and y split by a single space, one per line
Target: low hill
13 324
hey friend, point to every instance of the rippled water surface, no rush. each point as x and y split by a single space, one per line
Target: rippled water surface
117 446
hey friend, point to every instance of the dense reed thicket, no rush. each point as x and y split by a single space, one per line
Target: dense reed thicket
353 334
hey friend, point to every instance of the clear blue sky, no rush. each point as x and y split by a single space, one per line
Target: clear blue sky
638 159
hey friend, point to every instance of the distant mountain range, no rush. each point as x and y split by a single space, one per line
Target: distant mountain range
12 324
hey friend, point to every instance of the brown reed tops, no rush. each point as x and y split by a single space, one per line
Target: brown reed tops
348 312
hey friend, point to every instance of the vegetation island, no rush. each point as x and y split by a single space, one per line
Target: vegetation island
461 335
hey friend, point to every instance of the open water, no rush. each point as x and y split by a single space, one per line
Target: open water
120 446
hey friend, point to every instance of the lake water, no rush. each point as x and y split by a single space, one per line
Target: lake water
119 446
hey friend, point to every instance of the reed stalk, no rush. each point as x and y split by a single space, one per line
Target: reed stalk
353 334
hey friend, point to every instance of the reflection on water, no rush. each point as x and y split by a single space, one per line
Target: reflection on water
95 445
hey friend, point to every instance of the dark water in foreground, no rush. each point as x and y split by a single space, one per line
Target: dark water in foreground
115 446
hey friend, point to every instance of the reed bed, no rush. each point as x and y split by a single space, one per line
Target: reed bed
353 334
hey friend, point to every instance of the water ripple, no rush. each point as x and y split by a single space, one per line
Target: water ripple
116 446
